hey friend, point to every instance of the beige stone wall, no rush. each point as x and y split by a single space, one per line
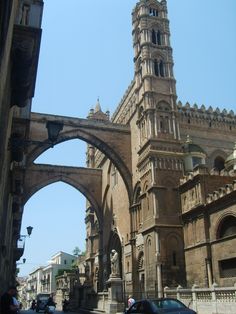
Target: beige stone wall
222 249
201 224
196 266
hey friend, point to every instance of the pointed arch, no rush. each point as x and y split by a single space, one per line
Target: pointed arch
226 227
216 159
112 139
87 181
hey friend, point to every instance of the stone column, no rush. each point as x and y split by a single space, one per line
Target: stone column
209 272
158 267
115 302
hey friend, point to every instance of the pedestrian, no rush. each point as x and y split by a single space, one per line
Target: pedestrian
17 304
131 301
7 300
33 305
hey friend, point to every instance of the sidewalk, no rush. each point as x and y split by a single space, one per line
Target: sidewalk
90 311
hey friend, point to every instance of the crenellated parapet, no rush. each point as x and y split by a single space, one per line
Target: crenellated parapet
190 176
201 186
221 192
210 117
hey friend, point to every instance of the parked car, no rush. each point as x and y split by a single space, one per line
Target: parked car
159 306
42 300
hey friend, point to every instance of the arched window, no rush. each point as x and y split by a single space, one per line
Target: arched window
219 163
173 246
159 68
156 68
140 261
137 195
153 12
161 65
156 37
159 38
149 251
227 227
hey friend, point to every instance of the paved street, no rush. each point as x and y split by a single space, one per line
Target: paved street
56 312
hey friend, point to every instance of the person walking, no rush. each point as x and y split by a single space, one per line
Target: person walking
131 301
7 304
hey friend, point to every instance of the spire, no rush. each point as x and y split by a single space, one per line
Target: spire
97 107
97 113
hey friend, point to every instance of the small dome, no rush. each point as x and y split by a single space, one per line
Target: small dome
189 147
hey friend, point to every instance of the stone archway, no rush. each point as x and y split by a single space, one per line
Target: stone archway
113 140
86 180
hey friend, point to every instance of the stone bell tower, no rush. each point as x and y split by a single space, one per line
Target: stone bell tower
160 162
155 82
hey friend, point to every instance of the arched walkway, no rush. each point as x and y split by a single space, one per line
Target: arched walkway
87 181
113 140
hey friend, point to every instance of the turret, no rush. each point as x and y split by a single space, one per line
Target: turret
193 155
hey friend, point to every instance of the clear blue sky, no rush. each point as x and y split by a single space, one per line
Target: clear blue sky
86 52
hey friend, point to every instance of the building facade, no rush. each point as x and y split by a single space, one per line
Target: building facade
44 278
168 141
20 34
140 201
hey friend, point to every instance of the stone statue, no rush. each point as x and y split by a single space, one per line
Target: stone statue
114 258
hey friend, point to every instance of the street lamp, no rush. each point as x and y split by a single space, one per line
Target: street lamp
19 250
17 143
29 230
23 262
23 236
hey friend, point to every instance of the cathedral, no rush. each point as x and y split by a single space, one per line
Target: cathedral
179 224
160 179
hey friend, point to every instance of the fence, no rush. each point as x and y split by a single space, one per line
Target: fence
214 300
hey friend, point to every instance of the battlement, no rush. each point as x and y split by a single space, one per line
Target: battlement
213 117
221 192
202 170
201 187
